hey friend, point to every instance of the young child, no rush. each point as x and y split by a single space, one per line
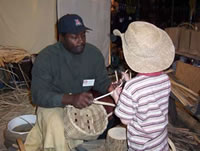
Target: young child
142 104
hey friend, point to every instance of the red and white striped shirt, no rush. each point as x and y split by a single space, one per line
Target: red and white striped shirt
144 102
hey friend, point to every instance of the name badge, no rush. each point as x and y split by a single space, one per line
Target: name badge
88 82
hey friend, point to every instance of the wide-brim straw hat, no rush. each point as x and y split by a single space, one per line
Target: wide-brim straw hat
146 48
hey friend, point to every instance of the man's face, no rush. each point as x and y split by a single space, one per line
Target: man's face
75 43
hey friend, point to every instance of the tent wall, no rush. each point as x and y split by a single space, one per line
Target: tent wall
27 24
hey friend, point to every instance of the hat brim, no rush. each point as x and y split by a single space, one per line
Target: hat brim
74 31
79 30
116 32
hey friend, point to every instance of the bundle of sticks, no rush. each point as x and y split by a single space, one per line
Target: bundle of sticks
186 96
184 139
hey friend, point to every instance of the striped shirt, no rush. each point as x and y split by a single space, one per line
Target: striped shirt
144 102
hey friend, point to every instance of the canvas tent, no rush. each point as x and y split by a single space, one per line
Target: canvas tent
30 24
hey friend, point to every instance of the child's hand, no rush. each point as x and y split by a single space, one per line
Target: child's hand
115 84
116 94
125 76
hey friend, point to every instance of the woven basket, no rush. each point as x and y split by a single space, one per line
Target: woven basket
85 124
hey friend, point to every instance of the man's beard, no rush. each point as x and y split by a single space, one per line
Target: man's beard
78 50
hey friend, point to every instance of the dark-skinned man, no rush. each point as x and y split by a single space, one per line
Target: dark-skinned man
63 74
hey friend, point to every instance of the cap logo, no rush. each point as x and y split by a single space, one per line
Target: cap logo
77 22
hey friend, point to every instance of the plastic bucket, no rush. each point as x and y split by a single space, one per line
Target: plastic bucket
21 120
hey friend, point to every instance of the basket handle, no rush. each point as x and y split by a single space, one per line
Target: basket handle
171 144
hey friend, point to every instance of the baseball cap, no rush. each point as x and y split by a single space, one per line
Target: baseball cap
72 24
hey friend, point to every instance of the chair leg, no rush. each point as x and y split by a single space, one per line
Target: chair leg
20 144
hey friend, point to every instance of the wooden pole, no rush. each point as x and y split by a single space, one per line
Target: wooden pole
20 144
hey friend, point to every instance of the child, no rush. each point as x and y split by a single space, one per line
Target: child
142 104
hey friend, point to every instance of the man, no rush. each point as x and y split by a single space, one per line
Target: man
62 74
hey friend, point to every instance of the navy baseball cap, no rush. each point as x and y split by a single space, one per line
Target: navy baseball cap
72 24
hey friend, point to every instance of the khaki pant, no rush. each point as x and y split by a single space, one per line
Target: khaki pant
48 132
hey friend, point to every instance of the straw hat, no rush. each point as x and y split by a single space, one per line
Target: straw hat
146 47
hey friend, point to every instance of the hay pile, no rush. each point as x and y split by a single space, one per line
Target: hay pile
12 104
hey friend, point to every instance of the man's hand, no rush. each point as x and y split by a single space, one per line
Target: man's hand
80 100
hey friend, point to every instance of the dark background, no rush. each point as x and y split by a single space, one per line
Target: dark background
162 13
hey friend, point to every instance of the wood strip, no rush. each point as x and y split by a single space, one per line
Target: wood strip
190 101
183 87
180 97
189 95
20 144
103 96
104 103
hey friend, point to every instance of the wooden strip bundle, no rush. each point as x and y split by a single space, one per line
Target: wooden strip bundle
185 95
183 87
183 138
180 97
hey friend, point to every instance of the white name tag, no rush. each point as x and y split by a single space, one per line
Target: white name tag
88 82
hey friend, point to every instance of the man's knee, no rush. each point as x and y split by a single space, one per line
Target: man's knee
50 116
